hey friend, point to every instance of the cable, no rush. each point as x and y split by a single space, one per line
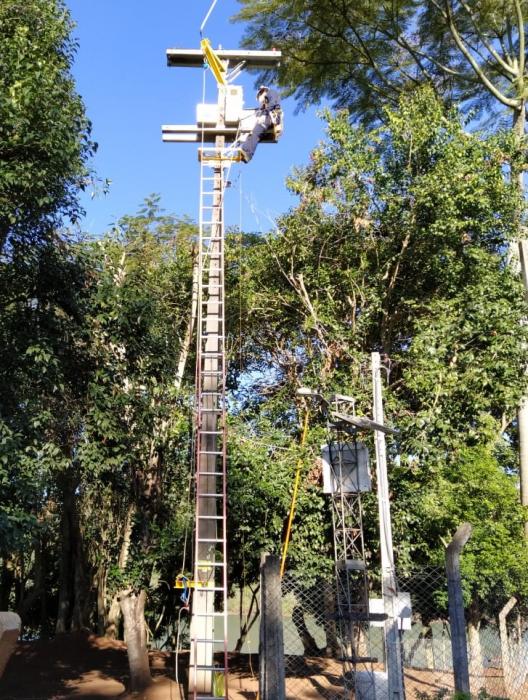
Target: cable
202 26
176 671
294 496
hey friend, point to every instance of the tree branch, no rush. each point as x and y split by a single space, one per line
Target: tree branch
513 103
507 67
522 59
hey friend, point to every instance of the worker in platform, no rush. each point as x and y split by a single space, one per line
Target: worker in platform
268 114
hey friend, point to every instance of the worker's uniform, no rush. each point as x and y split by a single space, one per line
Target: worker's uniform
268 114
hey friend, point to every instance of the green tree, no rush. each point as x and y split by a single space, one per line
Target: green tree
399 244
44 133
44 366
134 454
364 55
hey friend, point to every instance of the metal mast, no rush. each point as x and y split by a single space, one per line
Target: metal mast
208 679
389 584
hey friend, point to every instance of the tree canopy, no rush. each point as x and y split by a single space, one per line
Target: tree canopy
399 244
363 55
44 133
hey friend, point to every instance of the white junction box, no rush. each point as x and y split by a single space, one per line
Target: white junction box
234 104
207 114
401 604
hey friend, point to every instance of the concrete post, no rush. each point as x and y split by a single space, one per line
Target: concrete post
271 652
456 608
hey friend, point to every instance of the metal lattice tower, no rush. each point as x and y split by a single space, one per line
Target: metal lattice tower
352 582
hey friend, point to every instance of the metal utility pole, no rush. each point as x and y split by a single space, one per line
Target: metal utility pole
389 585
217 124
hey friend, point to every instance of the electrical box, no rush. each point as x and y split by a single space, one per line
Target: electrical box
371 685
346 468
207 114
401 609
234 104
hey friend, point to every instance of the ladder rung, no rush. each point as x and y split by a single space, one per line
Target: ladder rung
208 589
209 539
209 641
209 564
211 432
211 614
211 452
211 473
210 495
204 667
210 697
210 517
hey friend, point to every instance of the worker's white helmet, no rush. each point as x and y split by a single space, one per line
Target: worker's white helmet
262 88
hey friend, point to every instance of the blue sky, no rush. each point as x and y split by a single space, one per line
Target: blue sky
129 92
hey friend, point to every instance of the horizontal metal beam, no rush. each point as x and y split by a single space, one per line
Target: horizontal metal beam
364 423
194 58
190 133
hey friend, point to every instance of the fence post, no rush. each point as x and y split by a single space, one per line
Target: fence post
271 652
457 619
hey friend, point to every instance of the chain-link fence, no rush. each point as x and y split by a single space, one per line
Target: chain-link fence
314 666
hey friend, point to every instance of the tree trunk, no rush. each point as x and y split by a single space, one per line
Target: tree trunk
133 609
7 579
27 602
250 618
520 260
507 665
187 339
476 666
81 580
100 587
65 573
330 627
308 642
114 613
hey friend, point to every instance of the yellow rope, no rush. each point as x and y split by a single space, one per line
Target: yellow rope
294 497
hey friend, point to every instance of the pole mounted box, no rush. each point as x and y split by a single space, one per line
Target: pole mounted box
346 468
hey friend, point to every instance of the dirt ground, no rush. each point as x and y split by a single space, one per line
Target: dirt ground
93 668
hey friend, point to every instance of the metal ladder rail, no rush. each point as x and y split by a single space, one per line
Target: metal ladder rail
211 515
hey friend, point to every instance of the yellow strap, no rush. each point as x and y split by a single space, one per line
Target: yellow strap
215 64
294 497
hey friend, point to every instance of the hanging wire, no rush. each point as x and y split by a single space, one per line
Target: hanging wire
202 26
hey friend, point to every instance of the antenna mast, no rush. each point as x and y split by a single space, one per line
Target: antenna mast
219 124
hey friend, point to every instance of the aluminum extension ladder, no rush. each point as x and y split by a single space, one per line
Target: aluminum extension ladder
207 674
